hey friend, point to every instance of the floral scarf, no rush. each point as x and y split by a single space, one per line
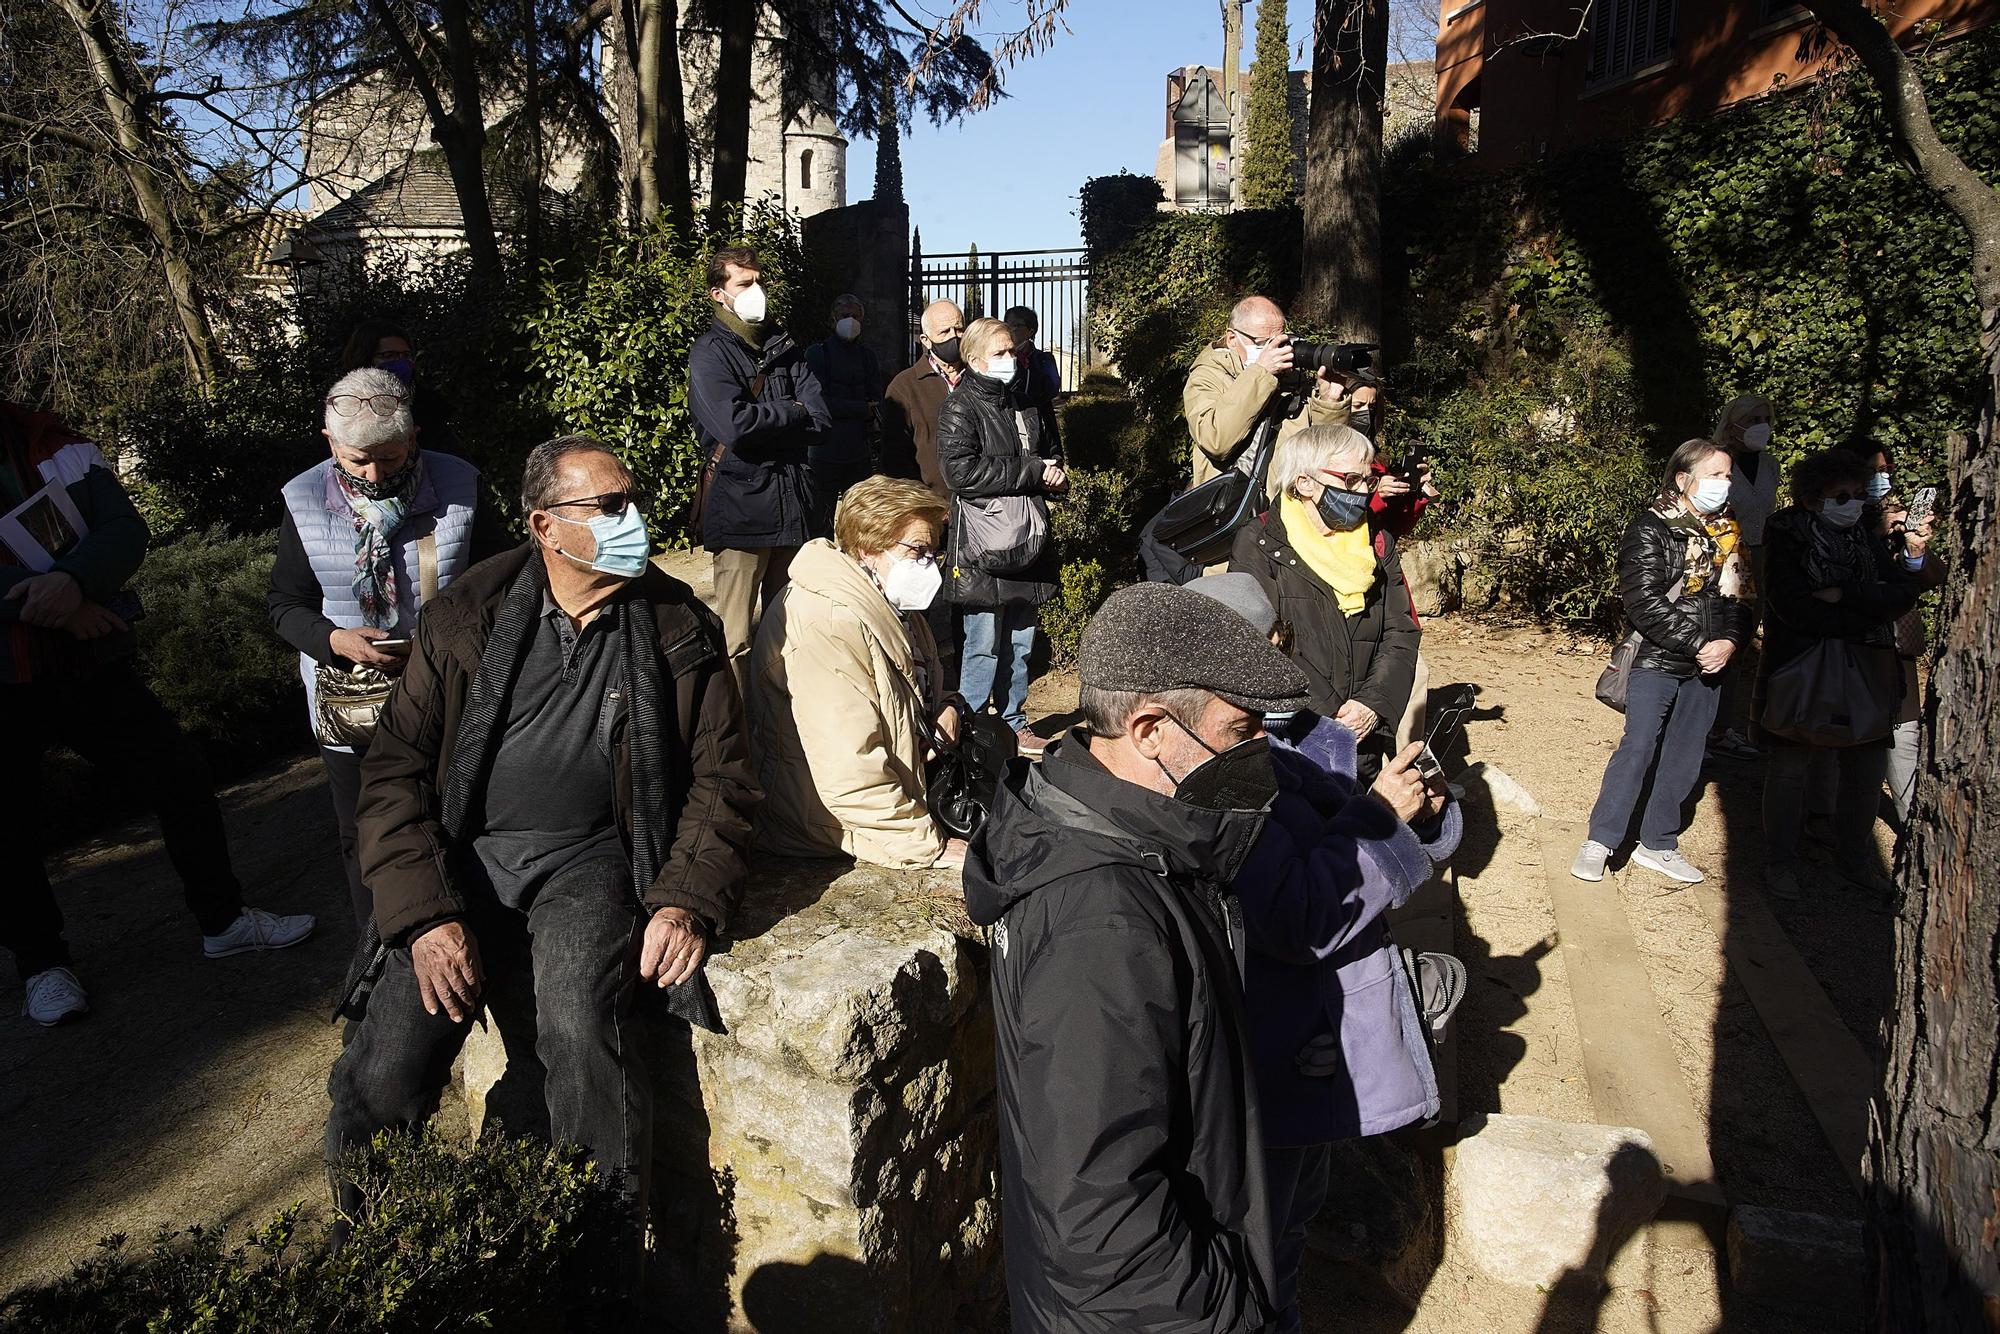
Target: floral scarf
1714 555
379 510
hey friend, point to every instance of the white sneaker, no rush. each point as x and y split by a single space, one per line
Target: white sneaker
256 929
54 995
1668 863
1590 859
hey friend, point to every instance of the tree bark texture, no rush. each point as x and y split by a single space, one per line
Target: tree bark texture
659 177
1341 282
1934 1142
729 166
140 157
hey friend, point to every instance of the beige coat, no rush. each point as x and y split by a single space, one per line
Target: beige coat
833 719
1221 401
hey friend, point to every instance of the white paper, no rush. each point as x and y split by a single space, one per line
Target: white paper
42 528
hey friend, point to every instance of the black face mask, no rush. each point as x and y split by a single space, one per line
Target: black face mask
1238 779
391 485
1343 511
946 350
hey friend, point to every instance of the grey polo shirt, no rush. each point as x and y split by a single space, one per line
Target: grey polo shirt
548 797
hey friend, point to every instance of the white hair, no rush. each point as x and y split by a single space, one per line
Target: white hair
365 430
1304 453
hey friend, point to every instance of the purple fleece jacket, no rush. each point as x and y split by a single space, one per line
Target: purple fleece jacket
1315 892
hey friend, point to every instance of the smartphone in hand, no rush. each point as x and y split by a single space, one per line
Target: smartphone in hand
395 648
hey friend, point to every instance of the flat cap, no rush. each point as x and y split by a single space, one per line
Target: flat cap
1152 638
1239 591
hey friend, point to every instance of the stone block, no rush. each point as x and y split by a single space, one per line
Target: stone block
1790 1260
1536 1202
1433 570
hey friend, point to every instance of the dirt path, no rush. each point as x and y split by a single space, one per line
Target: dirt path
194 1092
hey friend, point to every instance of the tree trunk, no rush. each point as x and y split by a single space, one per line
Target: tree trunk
1934 1142
660 143
729 169
120 85
531 111
1341 283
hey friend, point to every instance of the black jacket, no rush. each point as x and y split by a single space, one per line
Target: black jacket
980 455
1370 656
1133 1193
1868 607
851 381
762 495
1672 625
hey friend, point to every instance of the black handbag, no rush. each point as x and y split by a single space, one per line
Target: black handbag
1200 524
963 775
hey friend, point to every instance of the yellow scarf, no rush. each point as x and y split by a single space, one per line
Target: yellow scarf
1345 562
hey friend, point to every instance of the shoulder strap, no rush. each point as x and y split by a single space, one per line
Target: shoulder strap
427 569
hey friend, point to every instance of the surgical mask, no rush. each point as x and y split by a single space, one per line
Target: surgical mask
999 368
1711 494
1844 514
946 350
1878 485
751 304
1362 420
1238 779
1758 436
848 328
1342 511
912 585
622 544
1251 352
402 368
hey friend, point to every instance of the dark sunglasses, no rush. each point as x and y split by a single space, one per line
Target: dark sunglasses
611 502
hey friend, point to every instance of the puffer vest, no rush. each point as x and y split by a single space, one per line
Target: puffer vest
442 507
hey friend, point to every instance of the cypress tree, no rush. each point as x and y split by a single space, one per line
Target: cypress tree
1267 130
889 145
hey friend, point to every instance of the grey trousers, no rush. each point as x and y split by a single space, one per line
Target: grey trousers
1788 772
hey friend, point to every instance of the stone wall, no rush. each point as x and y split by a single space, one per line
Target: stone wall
831 1162
865 249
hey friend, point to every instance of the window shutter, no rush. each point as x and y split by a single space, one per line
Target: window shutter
1662 44
1601 23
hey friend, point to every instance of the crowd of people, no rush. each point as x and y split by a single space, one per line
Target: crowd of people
548 758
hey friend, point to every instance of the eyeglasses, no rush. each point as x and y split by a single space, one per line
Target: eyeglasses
1352 481
350 405
1260 342
611 502
922 555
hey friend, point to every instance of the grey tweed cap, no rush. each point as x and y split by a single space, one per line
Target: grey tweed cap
1157 637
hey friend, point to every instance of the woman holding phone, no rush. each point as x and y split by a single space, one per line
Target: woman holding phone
368 533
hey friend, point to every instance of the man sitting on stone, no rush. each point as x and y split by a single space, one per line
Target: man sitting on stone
560 783
1130 1152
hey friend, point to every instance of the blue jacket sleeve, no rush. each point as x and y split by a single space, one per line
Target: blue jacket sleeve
722 404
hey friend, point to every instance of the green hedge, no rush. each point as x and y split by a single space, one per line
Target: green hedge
1554 331
507 1234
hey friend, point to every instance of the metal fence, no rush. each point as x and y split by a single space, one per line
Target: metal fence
1055 284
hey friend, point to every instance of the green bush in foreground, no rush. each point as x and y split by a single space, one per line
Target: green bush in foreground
508 1234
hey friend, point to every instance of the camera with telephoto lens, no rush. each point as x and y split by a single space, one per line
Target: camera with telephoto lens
1348 364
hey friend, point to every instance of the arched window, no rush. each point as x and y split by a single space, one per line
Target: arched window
806 170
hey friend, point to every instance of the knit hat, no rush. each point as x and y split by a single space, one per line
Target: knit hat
1152 638
1242 594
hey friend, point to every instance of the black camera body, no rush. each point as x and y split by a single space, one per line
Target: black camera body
1349 363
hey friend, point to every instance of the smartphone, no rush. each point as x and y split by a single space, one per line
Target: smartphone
395 648
1921 506
1448 719
1410 470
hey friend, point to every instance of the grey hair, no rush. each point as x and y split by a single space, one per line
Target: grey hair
1305 452
1105 712
538 474
848 301
365 430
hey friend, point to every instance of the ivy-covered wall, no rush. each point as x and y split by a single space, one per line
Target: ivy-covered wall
1555 331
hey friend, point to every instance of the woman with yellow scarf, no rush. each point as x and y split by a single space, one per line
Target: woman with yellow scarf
1334 577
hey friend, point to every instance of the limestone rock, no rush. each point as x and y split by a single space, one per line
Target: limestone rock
1790 1260
1433 570
1535 1202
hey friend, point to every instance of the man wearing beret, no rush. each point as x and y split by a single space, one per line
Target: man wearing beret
1133 1195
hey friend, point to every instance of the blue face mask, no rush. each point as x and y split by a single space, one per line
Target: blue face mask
1878 485
622 544
1343 511
1711 494
401 367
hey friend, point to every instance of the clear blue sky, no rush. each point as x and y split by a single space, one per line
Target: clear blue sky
1092 105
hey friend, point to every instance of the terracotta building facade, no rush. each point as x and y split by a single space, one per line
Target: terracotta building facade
1517 79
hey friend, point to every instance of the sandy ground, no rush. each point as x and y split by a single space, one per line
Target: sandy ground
194 1092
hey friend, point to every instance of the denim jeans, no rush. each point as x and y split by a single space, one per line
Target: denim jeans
111 718
1665 717
998 641
1788 770
1298 1181
580 940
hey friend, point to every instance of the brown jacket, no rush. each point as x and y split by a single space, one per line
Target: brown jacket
414 768
1221 401
834 715
909 424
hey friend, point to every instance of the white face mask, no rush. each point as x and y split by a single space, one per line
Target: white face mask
751 305
847 327
1844 515
912 585
1251 352
1711 494
999 368
1758 436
